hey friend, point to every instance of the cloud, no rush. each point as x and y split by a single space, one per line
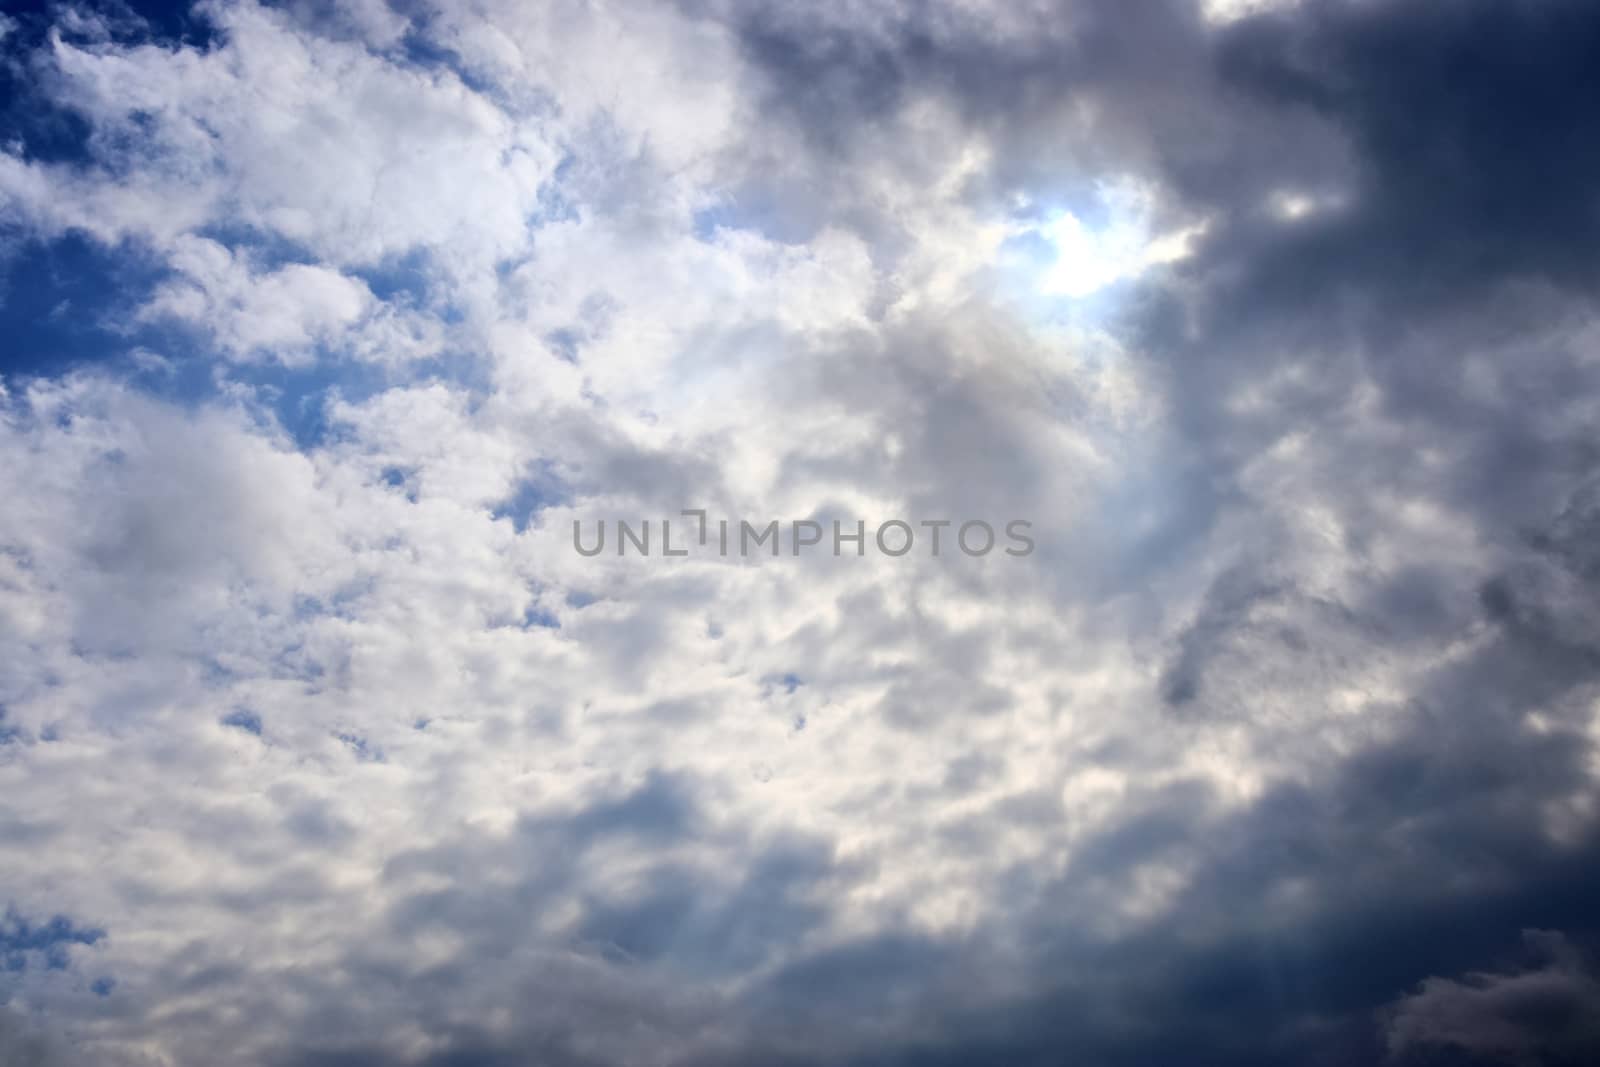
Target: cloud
310 705
283 313
23 1046
1542 1014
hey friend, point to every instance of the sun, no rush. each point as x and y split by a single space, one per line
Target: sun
1089 258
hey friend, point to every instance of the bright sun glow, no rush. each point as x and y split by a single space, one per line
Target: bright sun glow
1088 259
1224 11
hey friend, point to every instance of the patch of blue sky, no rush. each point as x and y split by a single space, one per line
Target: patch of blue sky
242 719
71 301
25 944
788 682
538 617
266 250
402 480
422 50
344 602
404 280
759 210
538 489
707 221
421 47
35 127
361 748
554 205
9 732
164 22
297 398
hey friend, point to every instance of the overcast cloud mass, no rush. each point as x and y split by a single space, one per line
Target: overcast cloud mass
321 324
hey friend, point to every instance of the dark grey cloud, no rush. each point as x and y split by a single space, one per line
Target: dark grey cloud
1544 1012
24 1045
1304 914
1477 154
1308 911
1456 148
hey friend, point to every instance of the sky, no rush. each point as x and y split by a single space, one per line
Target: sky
1273 323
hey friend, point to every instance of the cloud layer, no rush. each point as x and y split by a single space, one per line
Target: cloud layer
323 746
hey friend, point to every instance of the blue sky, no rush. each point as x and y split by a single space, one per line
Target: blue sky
322 325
